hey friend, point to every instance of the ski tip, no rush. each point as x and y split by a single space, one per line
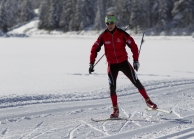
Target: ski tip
94 120
159 110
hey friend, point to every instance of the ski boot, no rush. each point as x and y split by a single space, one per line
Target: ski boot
115 113
151 104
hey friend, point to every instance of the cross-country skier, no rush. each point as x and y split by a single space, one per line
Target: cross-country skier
114 40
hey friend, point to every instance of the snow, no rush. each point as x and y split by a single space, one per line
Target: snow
47 93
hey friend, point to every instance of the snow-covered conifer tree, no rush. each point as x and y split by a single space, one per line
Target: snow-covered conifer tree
54 14
135 15
43 14
122 11
83 15
183 13
100 14
11 7
66 14
27 11
3 17
165 8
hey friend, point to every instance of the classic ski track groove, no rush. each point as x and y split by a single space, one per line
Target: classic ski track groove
88 105
4 132
33 100
163 124
28 135
188 132
47 130
73 130
93 127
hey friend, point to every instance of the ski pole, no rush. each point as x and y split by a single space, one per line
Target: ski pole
142 40
98 60
104 54
127 27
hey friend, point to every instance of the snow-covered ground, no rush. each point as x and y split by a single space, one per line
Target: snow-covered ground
47 93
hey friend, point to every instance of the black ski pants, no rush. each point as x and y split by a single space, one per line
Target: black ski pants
127 69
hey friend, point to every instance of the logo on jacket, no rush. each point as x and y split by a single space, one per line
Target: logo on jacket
107 42
118 40
129 41
96 43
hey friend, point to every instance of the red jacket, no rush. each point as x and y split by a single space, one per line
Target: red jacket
114 46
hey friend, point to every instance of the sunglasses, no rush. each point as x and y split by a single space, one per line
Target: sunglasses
110 23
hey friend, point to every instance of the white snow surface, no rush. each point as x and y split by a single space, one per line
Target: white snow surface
47 93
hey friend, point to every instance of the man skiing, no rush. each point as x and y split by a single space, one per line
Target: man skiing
115 40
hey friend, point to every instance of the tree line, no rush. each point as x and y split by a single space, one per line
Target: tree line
76 15
15 12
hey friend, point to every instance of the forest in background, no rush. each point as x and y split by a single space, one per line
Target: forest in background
156 16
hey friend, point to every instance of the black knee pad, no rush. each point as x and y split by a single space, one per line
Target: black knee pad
139 85
112 90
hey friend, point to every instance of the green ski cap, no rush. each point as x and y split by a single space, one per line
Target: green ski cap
110 18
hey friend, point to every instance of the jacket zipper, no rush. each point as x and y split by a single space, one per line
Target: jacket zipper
114 48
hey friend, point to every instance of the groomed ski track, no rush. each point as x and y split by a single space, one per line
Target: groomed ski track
55 118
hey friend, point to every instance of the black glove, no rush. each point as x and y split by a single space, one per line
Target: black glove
136 65
91 68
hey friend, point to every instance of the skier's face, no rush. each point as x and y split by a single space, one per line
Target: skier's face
110 26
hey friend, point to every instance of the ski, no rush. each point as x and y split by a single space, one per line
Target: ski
159 110
108 119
